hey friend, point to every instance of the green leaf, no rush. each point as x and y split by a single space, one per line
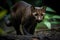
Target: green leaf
56 17
46 17
50 9
2 14
2 32
48 24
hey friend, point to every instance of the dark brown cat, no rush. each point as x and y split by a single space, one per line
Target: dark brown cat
25 17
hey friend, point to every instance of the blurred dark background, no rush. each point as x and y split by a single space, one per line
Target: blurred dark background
55 4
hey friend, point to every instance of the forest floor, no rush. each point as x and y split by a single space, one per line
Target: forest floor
40 34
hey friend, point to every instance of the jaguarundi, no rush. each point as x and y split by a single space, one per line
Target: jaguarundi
25 17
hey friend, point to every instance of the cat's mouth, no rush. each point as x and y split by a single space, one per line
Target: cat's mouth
38 21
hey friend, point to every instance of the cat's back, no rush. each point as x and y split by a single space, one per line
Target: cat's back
23 3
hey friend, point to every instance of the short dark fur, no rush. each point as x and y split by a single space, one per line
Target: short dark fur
22 15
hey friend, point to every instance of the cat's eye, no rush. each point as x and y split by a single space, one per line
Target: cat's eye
36 14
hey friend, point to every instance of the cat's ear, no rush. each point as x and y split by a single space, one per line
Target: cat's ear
32 8
44 8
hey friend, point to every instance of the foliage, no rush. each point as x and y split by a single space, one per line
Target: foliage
2 32
2 14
